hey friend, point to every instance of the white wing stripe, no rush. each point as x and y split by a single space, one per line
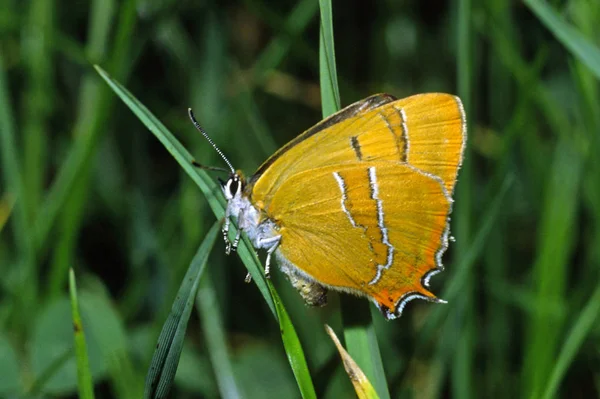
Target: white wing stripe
380 222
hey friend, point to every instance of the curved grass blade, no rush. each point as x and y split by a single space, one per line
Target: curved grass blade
206 184
293 349
277 50
15 187
214 334
209 188
11 167
84 377
552 264
582 327
362 386
36 388
570 37
170 342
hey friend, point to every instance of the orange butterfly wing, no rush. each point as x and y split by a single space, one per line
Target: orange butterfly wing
427 131
374 230
415 146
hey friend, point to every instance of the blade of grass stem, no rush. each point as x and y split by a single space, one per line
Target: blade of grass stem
571 38
293 349
330 92
278 48
214 334
85 384
165 360
38 60
579 331
556 243
12 176
462 312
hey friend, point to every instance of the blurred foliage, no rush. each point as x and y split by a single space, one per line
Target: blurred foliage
84 185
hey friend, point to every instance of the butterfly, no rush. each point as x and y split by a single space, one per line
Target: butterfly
359 203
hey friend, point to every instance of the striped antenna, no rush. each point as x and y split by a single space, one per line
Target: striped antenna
201 130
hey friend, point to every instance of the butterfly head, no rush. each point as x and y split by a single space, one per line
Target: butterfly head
233 187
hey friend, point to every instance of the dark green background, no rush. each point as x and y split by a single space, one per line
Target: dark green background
84 185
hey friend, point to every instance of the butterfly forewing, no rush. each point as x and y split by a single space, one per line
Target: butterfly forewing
435 126
352 111
425 130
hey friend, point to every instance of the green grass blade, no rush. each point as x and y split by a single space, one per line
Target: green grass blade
570 37
38 59
276 51
11 166
330 92
68 189
107 329
36 387
461 369
181 155
90 124
214 333
462 309
207 185
170 342
293 349
467 262
14 185
267 62
291 342
580 330
556 244
84 377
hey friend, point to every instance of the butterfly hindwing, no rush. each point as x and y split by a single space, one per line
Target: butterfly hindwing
375 230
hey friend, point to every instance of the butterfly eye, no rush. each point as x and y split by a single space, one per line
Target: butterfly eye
231 187
234 185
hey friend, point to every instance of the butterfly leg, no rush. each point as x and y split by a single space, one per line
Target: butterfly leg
271 245
238 234
225 231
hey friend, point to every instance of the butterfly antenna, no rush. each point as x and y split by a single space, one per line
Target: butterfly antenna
201 130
